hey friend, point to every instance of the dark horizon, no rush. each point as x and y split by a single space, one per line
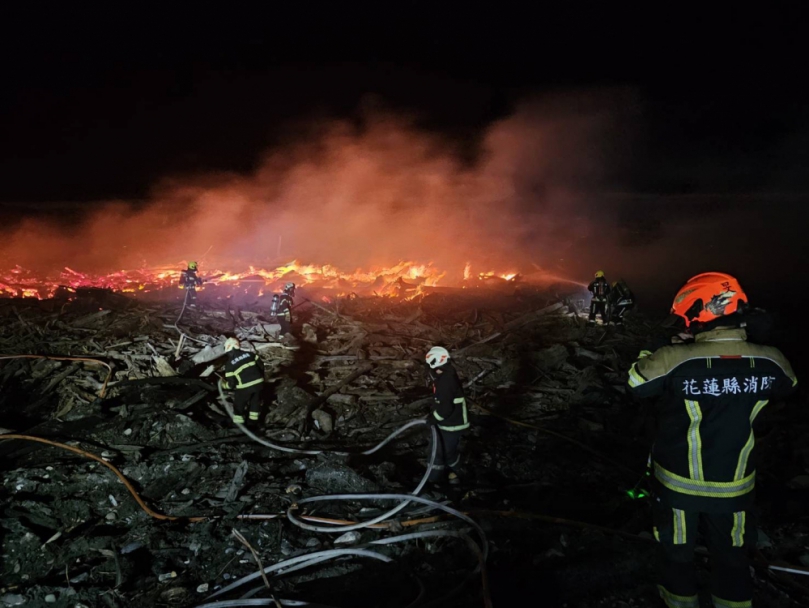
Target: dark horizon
700 166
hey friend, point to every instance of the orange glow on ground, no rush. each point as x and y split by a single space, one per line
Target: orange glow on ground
403 280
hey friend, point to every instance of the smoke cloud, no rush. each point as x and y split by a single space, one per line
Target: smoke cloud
358 193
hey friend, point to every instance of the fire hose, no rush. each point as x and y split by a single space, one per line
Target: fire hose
177 324
481 551
357 526
142 504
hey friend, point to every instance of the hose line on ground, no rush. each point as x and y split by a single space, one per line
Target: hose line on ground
274 446
309 557
177 324
302 561
260 602
391 496
379 518
111 467
161 516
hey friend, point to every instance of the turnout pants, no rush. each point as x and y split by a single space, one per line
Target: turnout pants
600 307
729 537
246 403
285 321
617 313
447 454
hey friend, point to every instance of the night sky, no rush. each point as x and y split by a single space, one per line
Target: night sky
98 107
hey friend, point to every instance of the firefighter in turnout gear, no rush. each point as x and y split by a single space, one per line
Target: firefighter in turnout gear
703 458
281 308
190 281
449 414
244 374
601 291
619 301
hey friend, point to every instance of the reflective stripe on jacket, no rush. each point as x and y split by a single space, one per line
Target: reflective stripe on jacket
244 370
711 393
600 289
450 404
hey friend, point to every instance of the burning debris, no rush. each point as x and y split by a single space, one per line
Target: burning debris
405 279
215 513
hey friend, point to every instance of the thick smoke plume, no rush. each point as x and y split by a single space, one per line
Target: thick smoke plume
361 193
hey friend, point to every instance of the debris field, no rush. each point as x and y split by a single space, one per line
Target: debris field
552 509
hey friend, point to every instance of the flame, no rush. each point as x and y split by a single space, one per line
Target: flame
403 280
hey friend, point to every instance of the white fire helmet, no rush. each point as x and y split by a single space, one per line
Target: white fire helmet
231 344
437 356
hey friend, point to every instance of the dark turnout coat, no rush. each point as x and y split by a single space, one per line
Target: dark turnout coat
710 393
449 408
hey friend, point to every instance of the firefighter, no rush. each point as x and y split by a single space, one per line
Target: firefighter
619 301
244 374
190 281
711 391
449 414
281 308
600 290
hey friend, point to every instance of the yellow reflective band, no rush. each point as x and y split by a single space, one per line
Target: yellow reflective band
708 362
253 415
656 533
756 409
718 602
460 427
238 419
679 526
794 382
635 379
241 369
744 455
708 489
677 601
251 383
694 441
737 533
752 362
437 416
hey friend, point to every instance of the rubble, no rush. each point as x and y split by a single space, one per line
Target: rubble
553 435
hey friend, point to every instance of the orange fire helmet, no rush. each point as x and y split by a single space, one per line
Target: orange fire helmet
708 296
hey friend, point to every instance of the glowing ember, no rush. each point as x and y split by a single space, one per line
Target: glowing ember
402 280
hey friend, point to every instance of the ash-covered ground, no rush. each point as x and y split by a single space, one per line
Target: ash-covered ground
555 448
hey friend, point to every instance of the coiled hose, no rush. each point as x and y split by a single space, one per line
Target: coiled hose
364 524
310 559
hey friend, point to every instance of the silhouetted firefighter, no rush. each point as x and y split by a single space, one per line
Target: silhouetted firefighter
600 290
619 301
281 308
449 414
190 281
